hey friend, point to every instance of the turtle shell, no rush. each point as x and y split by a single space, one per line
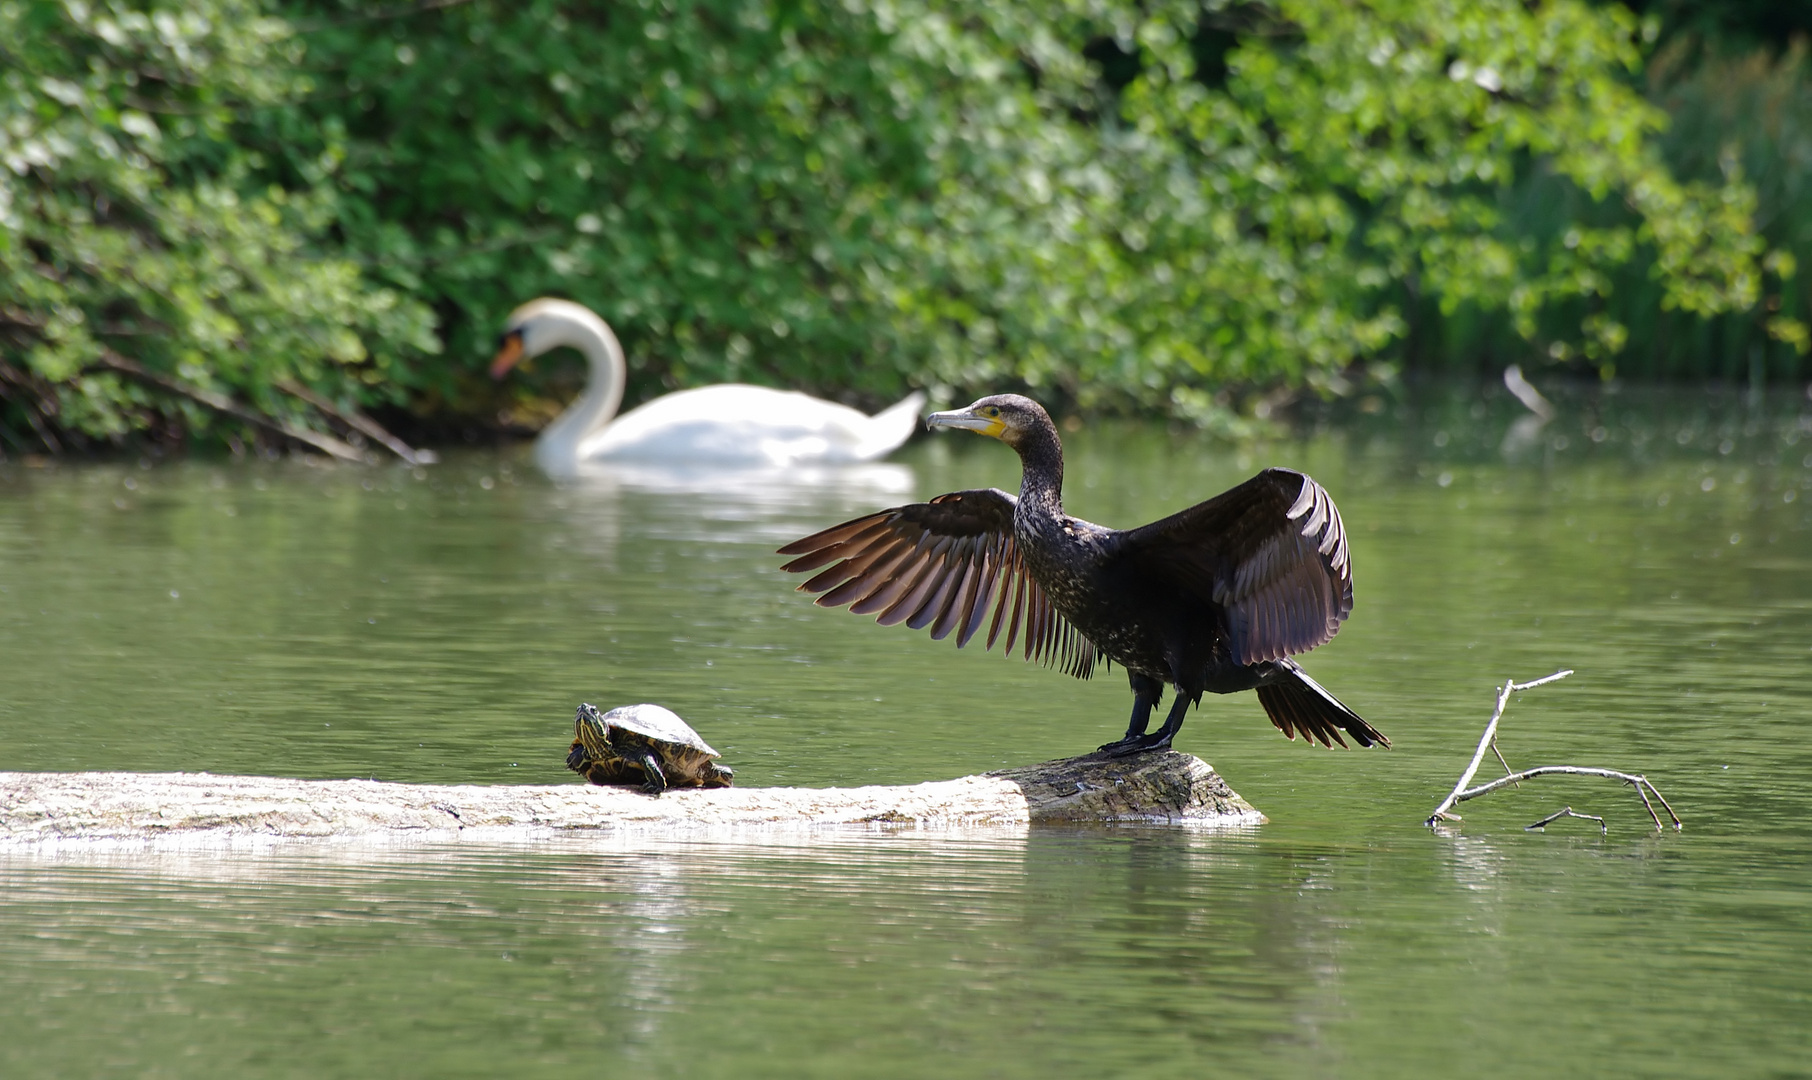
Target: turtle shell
657 725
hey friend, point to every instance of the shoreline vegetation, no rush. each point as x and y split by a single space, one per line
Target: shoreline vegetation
233 222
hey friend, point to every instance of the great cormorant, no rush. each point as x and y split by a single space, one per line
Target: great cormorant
1216 598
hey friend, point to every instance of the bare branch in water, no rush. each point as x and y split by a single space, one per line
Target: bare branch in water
1567 811
1488 741
358 422
1500 758
325 443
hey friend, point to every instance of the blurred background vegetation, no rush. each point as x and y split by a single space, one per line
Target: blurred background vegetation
1201 210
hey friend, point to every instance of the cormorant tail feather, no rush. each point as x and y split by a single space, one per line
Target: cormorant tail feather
1296 703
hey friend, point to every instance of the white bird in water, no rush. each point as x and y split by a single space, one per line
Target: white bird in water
731 423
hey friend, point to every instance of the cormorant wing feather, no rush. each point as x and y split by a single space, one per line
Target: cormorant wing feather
939 564
1271 552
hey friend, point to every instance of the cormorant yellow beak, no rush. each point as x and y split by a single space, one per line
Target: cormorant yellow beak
968 420
509 350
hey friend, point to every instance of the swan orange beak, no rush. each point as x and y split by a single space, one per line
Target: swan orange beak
509 350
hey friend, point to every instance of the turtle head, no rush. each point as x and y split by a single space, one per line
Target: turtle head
592 731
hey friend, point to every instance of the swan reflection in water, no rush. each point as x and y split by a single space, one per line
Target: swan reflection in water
605 502
773 487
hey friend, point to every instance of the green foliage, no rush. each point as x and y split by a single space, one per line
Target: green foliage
1738 123
847 196
131 223
715 178
1744 24
1749 116
1355 164
861 194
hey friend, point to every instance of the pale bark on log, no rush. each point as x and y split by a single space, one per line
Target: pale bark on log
57 808
1170 787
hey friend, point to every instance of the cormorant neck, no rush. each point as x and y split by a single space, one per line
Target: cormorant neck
1041 467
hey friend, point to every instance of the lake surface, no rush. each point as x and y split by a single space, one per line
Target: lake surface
439 625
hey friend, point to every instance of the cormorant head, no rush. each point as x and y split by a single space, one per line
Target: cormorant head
1007 417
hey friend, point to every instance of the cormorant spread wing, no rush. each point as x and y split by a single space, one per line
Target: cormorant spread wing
940 564
1216 598
1271 552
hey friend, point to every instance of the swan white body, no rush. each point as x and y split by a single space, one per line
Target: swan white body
731 423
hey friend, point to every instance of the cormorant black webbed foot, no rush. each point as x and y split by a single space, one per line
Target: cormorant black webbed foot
1157 740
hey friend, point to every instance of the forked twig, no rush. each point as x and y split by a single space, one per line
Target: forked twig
1462 793
1641 783
1567 811
1488 741
1500 758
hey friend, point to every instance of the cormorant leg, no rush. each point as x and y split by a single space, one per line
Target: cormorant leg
1160 738
1147 692
657 780
1178 711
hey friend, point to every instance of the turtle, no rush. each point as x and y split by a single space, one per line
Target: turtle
645 745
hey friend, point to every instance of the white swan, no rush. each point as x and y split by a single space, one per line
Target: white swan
732 423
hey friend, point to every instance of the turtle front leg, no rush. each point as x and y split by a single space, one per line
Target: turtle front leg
612 772
657 780
718 775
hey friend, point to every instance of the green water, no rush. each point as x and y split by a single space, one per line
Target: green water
440 625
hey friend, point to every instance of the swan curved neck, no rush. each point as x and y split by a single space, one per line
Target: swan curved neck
560 442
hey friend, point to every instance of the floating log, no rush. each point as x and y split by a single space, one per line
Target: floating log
39 808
